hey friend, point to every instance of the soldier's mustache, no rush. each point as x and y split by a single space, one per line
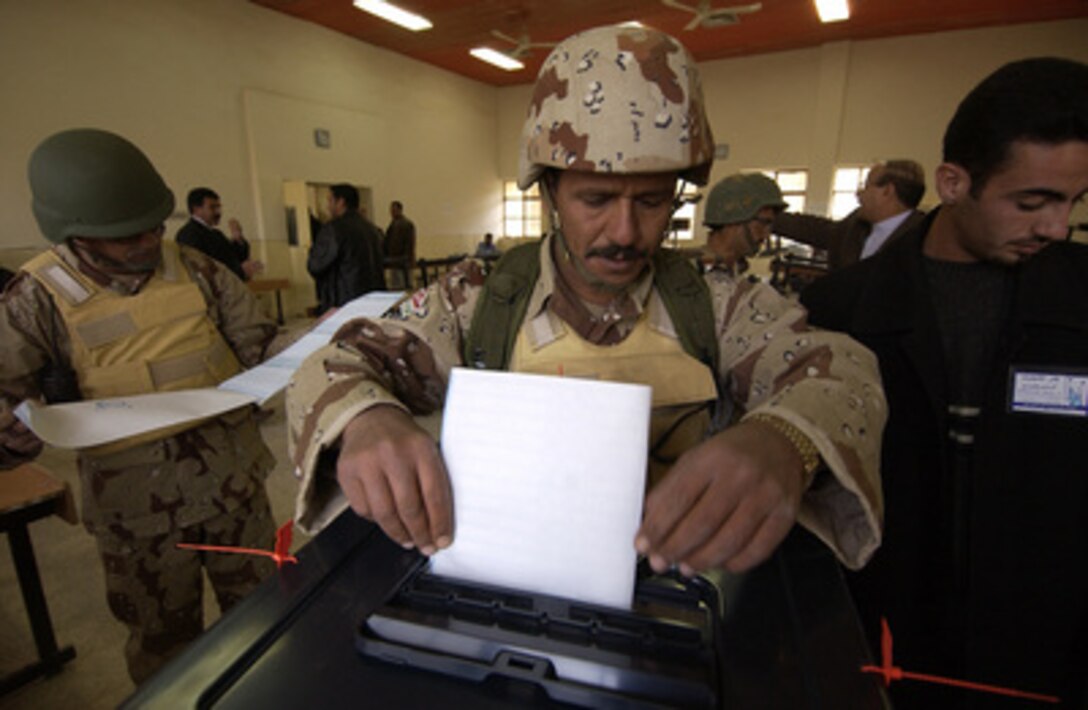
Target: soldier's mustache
615 252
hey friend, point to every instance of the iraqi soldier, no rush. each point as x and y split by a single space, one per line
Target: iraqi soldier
616 120
740 212
109 311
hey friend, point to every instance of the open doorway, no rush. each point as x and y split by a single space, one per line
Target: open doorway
306 206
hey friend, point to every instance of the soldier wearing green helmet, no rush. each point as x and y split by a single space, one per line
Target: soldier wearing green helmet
110 310
739 214
748 403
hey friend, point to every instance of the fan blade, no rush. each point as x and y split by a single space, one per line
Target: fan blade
742 9
678 6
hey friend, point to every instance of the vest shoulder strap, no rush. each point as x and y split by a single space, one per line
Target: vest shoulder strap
687 299
505 298
502 306
63 282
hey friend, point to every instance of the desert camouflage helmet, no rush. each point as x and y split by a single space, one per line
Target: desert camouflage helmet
617 100
738 198
95 184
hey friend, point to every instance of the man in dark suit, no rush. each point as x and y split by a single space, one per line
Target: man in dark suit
888 208
205 211
400 243
979 318
346 256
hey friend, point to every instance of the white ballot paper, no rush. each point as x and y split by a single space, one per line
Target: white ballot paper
78 425
271 376
548 477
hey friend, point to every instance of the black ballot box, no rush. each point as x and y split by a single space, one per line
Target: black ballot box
663 652
786 636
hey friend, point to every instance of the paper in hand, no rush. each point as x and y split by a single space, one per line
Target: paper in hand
548 477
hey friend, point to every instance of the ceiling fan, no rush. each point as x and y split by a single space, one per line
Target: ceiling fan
709 17
523 46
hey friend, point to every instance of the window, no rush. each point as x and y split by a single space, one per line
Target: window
521 211
793 183
844 189
682 227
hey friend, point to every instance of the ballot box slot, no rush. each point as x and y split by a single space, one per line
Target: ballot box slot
662 651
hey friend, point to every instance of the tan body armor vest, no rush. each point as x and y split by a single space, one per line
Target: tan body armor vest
158 340
683 388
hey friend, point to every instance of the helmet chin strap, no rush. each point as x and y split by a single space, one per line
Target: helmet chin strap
750 240
564 248
565 253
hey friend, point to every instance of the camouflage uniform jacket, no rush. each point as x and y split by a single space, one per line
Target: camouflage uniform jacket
169 483
823 383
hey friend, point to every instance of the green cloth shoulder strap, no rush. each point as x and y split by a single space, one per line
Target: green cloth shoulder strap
501 307
687 299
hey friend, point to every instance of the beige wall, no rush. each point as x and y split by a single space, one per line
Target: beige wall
846 102
879 99
227 94
224 93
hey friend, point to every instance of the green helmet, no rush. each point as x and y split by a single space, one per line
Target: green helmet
95 184
617 100
738 198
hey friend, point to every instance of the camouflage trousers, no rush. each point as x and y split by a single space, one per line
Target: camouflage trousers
157 590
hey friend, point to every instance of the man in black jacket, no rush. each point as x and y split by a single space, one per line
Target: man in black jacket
400 243
346 256
205 211
979 318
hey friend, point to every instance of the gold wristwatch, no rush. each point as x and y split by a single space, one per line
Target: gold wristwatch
810 455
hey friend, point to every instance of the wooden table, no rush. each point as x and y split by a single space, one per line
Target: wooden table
276 286
28 493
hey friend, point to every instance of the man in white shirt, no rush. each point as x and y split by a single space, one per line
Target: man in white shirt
887 208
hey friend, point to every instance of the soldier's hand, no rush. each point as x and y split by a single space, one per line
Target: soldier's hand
727 503
391 472
20 441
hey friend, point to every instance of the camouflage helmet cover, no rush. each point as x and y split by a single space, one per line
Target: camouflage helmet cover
617 100
91 183
739 197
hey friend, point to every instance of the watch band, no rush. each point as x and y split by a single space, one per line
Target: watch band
810 455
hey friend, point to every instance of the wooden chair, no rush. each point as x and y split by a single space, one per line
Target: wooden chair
431 269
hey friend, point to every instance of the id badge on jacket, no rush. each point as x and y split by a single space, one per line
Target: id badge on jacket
1061 391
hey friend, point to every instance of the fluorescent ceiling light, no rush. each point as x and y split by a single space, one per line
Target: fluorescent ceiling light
832 10
394 14
496 58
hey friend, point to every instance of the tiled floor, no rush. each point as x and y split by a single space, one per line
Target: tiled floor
75 592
